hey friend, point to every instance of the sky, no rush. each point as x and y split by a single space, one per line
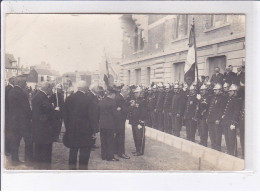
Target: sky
68 42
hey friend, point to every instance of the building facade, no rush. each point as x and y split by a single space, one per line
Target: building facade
11 67
155 46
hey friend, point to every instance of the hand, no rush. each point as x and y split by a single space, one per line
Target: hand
57 108
217 122
194 119
170 114
232 127
178 115
198 96
139 126
155 110
118 108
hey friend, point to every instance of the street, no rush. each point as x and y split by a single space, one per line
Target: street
158 156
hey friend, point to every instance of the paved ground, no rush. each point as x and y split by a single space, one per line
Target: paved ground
158 156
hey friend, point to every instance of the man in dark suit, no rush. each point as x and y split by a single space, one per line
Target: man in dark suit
95 115
57 100
20 116
166 109
217 77
229 76
8 88
122 110
44 126
108 125
78 134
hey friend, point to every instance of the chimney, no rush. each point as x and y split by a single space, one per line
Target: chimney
18 62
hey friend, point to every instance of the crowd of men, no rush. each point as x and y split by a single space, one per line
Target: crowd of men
210 107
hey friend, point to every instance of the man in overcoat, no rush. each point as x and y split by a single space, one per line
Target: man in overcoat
44 126
79 133
122 110
20 116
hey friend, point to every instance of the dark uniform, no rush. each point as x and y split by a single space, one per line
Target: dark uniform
78 135
159 110
202 115
215 112
241 126
166 110
58 113
137 116
177 111
190 117
230 117
20 116
121 119
108 127
8 134
151 106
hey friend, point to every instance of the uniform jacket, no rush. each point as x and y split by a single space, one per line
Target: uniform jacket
160 101
168 101
217 78
203 106
216 108
191 107
95 111
242 115
78 121
178 103
152 99
138 113
108 114
20 113
231 111
43 119
122 114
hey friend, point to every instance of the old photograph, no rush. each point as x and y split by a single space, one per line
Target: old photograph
124 92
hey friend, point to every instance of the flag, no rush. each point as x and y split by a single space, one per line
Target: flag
190 65
107 76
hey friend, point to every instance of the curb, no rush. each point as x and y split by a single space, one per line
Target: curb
220 160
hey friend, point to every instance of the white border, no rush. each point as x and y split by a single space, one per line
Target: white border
246 180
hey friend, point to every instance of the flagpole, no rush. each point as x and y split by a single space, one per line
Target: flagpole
195 48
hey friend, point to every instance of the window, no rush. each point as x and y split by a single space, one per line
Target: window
42 78
179 71
137 76
215 21
180 26
218 61
148 75
138 40
48 78
129 77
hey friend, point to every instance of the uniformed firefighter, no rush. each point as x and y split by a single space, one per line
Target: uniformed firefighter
177 109
204 100
230 119
190 115
215 112
166 109
159 107
152 106
137 118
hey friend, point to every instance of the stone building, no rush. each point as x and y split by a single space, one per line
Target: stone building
155 46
